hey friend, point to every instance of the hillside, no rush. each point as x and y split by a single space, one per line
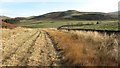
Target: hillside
4 17
75 15
114 13
7 25
56 19
70 15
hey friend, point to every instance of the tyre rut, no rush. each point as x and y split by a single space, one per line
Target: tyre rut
20 52
10 53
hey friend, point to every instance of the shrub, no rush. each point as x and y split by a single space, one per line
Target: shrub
12 21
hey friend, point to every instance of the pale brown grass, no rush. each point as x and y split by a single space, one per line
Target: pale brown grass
86 48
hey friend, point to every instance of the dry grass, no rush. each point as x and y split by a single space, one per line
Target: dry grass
79 48
87 48
106 46
27 47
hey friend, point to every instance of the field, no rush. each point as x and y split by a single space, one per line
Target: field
101 25
59 34
51 47
31 47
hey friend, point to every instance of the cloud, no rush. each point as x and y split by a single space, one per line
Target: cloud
19 8
102 6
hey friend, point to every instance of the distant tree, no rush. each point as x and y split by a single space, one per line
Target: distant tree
12 21
97 22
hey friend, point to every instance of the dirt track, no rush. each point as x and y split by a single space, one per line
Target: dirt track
28 47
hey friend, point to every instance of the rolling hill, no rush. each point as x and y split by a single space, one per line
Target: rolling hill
75 15
4 17
114 13
70 15
56 19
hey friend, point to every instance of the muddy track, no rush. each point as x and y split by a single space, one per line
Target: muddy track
35 49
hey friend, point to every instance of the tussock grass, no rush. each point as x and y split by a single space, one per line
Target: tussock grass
86 48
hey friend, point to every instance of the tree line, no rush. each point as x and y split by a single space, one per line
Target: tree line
12 21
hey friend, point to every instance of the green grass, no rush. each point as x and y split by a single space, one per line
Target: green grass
103 25
49 24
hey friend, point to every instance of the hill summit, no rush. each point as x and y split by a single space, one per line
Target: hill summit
74 15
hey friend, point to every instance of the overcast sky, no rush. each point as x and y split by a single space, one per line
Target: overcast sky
21 8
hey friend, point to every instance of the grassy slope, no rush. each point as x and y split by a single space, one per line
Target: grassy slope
50 24
103 25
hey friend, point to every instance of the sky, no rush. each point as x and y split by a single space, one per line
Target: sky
25 8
